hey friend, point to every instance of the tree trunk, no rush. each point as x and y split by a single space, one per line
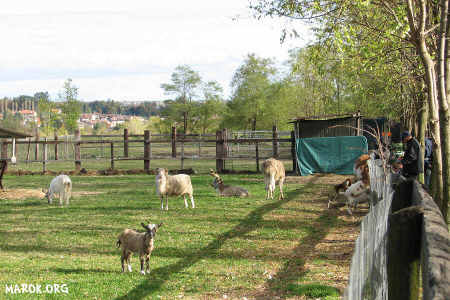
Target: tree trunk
430 81
443 96
422 122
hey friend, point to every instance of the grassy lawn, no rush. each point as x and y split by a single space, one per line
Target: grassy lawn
225 248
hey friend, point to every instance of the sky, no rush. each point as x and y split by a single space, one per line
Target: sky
125 50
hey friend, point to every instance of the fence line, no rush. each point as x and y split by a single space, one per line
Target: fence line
228 147
403 235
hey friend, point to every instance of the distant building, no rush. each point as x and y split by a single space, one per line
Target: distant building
29 116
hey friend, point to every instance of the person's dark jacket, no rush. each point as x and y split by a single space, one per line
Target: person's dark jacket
410 161
428 158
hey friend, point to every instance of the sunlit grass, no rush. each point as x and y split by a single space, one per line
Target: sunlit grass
226 246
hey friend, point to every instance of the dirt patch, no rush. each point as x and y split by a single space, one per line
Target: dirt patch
19 194
85 193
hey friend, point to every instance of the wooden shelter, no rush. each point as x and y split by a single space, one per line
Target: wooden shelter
9 134
323 126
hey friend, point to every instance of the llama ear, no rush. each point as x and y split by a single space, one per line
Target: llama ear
145 226
166 171
159 225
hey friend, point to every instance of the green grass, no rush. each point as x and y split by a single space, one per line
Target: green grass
314 290
225 246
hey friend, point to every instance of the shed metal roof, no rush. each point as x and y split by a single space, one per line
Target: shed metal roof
10 133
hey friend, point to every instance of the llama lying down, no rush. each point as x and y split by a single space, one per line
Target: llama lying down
61 185
226 190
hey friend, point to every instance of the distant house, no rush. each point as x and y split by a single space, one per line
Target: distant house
29 116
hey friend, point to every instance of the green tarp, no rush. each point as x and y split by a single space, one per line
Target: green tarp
329 154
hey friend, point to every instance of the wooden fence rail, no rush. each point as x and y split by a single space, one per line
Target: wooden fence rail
228 147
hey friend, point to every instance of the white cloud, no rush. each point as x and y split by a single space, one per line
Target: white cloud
125 50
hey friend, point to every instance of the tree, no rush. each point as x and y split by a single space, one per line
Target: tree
376 34
184 85
251 84
208 113
46 113
71 107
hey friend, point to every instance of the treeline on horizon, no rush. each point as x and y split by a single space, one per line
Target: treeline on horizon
141 108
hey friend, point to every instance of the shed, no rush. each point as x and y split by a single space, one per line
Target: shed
319 126
6 133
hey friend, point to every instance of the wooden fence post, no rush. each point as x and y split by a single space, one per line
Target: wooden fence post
225 147
147 151
125 142
219 152
44 157
36 147
28 150
275 141
4 149
112 156
182 151
257 157
174 141
293 153
56 146
16 146
77 150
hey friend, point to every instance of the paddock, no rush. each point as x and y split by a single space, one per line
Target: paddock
225 248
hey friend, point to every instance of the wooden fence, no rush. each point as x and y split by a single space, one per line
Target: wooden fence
403 235
225 147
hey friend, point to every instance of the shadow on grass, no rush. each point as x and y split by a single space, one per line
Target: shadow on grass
252 221
281 283
54 250
81 271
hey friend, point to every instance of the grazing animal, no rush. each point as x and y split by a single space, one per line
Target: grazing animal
176 185
227 190
274 173
361 168
358 192
61 185
138 242
339 188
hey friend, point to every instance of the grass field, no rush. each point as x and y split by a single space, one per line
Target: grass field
226 248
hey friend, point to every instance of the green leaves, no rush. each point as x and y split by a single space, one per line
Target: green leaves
71 107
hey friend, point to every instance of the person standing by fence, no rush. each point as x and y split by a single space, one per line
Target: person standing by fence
428 161
412 165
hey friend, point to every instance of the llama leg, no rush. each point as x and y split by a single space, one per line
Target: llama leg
267 183
61 195
281 189
142 264
129 261
185 202
122 260
192 200
147 264
167 202
162 202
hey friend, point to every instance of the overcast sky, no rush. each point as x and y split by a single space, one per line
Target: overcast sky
124 50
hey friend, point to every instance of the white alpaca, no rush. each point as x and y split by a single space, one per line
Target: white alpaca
176 185
61 185
274 173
